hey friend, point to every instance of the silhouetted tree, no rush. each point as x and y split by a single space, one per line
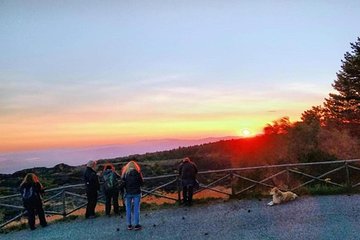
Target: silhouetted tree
344 106
315 116
339 143
280 126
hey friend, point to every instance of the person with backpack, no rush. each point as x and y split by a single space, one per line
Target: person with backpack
132 180
92 186
111 188
31 191
187 173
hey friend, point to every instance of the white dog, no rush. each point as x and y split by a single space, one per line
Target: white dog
280 197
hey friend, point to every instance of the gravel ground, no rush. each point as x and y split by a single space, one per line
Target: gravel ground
322 217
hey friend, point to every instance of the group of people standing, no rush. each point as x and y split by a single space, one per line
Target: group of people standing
128 184
129 187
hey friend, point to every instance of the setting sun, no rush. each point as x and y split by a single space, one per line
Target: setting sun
245 132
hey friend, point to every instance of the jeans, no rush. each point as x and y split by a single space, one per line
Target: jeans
132 199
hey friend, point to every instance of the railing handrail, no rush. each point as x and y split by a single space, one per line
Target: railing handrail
279 166
211 171
230 173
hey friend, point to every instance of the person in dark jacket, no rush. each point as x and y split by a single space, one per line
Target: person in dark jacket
31 192
92 187
132 180
187 172
111 188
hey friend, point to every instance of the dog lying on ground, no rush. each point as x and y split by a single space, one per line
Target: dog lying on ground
280 197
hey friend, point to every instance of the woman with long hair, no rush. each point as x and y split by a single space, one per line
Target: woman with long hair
132 180
31 192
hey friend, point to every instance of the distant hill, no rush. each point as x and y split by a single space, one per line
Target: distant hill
11 162
263 149
221 154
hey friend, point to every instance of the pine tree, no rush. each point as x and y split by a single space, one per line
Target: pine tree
344 106
314 116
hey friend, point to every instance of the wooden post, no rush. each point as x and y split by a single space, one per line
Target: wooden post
348 183
287 179
233 191
64 203
179 190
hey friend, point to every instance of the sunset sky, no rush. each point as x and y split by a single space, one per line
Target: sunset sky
85 73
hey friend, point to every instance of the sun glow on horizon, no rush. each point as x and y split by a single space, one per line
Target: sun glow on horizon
245 132
22 136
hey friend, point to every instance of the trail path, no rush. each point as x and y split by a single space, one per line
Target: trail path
321 217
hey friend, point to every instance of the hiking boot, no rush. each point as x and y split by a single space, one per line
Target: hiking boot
137 227
130 227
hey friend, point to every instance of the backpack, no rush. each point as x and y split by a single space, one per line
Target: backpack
29 195
110 181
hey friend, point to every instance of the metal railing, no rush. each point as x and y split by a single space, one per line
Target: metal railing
344 174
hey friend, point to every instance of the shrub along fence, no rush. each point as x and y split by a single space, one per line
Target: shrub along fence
338 176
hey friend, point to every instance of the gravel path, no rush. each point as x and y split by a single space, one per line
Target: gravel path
322 217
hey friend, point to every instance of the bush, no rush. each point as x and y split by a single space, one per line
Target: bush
322 189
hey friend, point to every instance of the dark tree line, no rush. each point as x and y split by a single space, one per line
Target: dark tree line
344 106
332 130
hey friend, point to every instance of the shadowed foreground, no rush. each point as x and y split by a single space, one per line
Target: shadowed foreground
323 217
